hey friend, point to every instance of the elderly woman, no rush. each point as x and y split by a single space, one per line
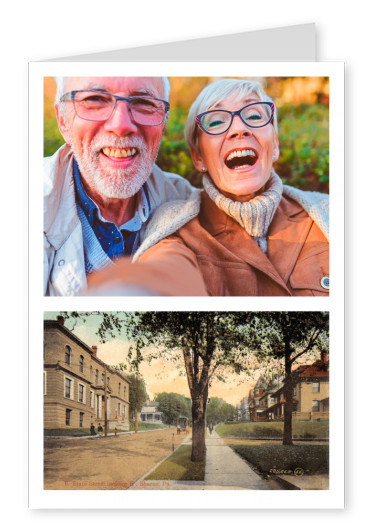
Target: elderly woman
248 234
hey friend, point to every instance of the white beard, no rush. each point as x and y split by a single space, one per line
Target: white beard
114 183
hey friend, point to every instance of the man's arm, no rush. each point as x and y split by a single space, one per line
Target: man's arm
167 269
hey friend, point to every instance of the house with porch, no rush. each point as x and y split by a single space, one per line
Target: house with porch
310 393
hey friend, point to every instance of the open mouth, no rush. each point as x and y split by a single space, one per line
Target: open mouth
116 153
241 158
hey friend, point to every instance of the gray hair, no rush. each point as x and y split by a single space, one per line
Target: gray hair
60 84
213 94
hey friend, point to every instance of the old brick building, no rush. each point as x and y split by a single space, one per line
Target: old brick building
77 383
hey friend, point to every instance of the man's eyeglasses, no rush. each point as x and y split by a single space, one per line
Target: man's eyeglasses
98 106
217 122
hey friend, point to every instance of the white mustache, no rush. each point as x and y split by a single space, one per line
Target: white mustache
102 141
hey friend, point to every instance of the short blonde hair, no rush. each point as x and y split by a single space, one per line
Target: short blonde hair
213 94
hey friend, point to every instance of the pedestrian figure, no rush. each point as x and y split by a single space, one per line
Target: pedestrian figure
92 429
210 428
100 430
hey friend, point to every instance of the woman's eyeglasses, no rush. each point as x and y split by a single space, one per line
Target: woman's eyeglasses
254 115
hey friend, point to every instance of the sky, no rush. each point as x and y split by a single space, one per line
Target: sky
159 375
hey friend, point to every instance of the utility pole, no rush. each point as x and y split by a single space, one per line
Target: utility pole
135 403
105 401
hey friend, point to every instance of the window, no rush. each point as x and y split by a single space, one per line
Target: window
315 387
68 417
67 355
92 399
81 419
102 379
272 399
294 392
68 388
81 365
119 389
315 405
108 381
81 393
124 391
96 376
91 373
119 409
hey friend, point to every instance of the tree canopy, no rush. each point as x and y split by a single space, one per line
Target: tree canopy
172 405
219 410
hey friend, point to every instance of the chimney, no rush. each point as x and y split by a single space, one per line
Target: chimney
324 357
94 349
60 320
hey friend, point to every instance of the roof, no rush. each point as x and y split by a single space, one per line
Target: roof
318 369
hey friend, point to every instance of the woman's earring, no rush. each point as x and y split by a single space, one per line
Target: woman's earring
203 168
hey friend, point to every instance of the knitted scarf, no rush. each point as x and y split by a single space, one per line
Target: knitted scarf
255 215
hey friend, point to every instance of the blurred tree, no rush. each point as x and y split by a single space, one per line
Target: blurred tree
173 405
218 410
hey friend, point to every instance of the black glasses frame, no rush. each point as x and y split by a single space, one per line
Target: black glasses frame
236 113
71 96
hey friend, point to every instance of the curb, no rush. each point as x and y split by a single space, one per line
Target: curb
141 478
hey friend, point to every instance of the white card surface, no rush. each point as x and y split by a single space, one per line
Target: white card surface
221 56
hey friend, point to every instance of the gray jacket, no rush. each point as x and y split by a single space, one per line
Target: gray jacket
64 265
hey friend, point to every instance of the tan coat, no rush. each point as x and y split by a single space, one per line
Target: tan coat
213 255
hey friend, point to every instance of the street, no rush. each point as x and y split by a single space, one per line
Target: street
110 463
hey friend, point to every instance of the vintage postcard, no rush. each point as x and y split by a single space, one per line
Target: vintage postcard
186 400
182 306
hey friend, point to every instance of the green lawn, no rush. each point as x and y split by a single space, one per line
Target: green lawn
180 467
259 430
299 459
146 426
77 432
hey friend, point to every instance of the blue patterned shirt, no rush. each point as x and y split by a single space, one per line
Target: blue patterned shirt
115 241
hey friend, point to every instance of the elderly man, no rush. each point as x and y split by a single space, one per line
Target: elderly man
102 186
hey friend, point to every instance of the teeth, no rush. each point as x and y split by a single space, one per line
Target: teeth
241 153
119 153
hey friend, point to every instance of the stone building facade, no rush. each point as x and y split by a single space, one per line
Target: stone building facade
77 384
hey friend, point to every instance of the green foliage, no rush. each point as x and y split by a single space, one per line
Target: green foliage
52 137
303 459
173 405
174 155
179 467
143 426
137 393
218 410
288 335
67 432
304 146
301 429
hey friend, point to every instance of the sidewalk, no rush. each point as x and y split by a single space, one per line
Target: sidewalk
224 470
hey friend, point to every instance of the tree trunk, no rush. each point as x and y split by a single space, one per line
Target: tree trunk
288 391
198 428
